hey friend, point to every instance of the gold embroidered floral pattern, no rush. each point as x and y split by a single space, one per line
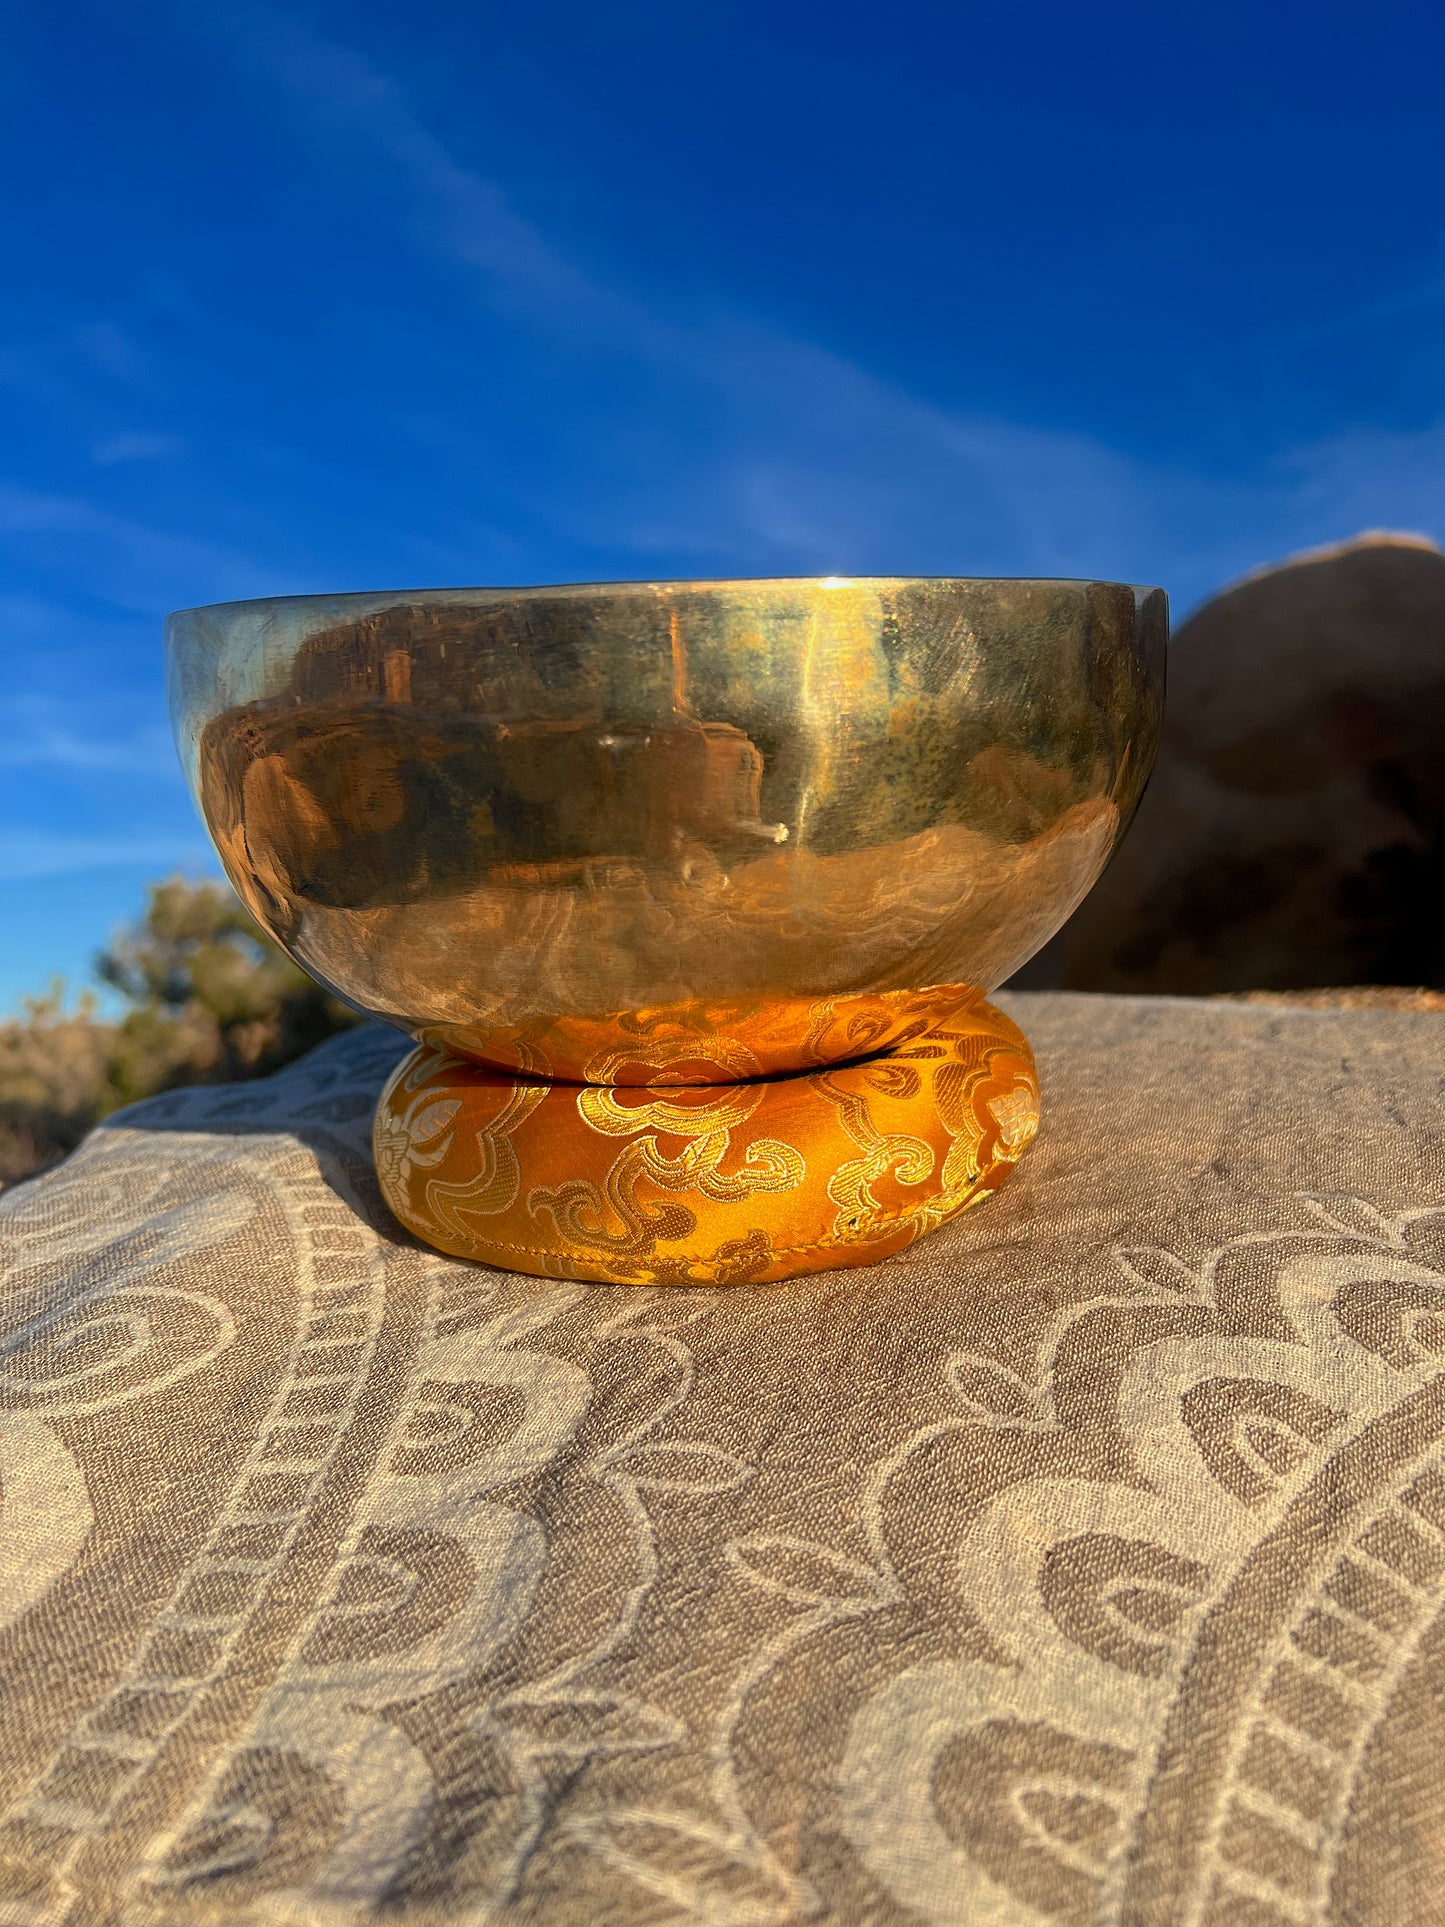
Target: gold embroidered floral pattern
689 1183
706 1040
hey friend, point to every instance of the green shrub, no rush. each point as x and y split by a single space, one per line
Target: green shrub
207 998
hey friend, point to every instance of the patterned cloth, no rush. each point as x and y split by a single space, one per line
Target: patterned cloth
1084 1562
717 1183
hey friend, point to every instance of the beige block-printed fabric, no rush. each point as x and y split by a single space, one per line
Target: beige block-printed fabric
1084 1563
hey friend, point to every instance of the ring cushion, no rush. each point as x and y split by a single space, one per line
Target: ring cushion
704 1040
715 1183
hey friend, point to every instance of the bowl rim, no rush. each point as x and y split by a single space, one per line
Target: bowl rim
656 584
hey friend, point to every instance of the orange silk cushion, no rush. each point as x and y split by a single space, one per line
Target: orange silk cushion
708 1184
705 1040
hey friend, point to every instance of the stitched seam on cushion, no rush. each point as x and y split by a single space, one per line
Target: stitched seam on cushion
826 1243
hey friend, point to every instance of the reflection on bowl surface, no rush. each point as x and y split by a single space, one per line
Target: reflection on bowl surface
684 830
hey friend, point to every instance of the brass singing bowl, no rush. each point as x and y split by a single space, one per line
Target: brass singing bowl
685 831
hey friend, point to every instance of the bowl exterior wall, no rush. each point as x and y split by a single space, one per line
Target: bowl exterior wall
689 831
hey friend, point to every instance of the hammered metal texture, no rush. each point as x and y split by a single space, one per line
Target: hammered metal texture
548 828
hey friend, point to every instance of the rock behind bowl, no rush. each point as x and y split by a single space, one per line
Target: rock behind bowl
684 831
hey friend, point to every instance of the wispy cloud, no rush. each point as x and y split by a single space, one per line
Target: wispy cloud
25 854
111 349
38 736
56 362
804 459
138 448
1424 294
787 456
454 210
1371 475
139 567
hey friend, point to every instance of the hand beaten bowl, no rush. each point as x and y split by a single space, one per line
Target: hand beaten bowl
681 832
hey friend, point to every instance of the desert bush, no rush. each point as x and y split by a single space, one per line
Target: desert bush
52 1075
206 996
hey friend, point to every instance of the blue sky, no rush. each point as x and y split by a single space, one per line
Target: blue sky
349 296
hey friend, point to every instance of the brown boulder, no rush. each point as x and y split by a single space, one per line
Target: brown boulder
1294 831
